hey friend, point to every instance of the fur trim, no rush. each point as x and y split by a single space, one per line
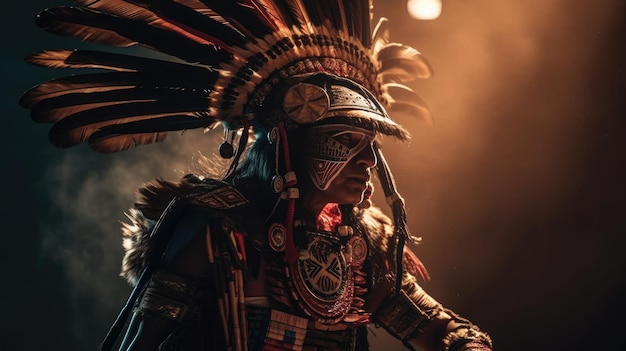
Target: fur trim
379 229
137 244
152 200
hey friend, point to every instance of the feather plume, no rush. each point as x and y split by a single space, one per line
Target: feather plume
314 10
116 62
298 13
280 12
117 143
242 16
405 101
401 63
173 16
78 127
100 82
380 36
120 137
357 17
56 108
101 28
266 12
63 21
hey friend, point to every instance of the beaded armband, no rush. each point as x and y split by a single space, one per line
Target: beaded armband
407 313
170 296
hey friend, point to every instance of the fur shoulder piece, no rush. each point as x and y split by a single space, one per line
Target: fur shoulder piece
153 198
377 225
379 229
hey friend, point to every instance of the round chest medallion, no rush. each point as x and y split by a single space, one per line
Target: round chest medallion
323 280
324 271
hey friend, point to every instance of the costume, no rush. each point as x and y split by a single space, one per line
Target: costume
233 262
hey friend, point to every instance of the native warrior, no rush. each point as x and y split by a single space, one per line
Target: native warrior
282 250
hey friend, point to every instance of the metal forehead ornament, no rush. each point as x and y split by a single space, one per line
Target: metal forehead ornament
306 103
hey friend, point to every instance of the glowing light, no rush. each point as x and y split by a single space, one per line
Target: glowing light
424 9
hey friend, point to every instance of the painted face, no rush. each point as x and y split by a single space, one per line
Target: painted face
340 158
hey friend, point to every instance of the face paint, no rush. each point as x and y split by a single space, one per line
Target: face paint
331 147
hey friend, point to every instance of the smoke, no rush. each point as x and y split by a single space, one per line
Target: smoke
90 193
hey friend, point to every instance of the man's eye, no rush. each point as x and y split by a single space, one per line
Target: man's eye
346 139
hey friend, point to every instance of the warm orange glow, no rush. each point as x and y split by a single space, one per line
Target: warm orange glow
424 9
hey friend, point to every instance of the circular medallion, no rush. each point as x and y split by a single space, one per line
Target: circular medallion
324 271
277 236
359 250
278 184
273 135
322 279
306 103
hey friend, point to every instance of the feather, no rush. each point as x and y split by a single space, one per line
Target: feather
100 28
405 101
114 61
281 13
314 10
242 17
380 36
99 82
173 16
78 127
401 63
357 16
266 12
120 137
116 143
298 13
56 108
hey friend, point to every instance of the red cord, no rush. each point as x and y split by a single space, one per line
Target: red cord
291 253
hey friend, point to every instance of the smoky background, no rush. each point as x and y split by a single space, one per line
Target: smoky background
516 189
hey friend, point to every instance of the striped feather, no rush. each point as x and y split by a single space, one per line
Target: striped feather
78 127
115 62
380 35
296 12
405 101
175 17
99 82
56 108
242 16
120 137
401 64
101 28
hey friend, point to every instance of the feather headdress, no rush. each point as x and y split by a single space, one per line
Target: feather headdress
224 57
223 62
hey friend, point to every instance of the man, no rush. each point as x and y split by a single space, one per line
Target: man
282 250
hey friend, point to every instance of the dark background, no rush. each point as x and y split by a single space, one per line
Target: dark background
517 188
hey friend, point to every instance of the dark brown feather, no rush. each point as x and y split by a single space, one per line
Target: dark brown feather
78 127
56 108
101 28
243 18
114 61
99 82
120 137
173 16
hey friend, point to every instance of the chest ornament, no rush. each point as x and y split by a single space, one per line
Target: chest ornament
326 282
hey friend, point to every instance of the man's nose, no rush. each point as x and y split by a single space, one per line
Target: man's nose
367 156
